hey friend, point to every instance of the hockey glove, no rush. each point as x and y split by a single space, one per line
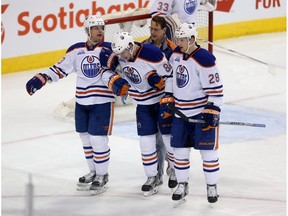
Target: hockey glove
108 59
118 85
165 112
211 115
36 83
154 80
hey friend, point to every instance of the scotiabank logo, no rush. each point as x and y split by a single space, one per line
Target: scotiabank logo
67 18
3 9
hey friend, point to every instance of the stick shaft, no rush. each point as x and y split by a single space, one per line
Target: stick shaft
185 118
233 51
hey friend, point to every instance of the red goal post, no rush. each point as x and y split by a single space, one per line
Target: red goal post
137 22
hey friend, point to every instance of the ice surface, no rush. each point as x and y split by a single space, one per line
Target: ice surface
252 160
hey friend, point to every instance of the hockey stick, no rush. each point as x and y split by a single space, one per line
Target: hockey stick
271 68
187 119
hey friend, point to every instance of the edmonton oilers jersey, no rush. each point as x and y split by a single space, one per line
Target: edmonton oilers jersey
186 9
196 80
147 58
84 61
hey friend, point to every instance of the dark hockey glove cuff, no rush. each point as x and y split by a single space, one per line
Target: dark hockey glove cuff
154 80
118 85
211 116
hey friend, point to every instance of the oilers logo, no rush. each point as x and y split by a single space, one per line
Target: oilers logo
132 74
182 76
190 6
90 66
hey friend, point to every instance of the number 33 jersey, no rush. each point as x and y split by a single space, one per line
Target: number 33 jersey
196 80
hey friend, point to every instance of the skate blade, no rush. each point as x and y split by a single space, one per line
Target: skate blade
150 193
179 202
83 187
98 191
212 205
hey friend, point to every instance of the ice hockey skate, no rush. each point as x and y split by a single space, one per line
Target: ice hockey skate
212 195
180 193
150 186
172 182
99 185
85 181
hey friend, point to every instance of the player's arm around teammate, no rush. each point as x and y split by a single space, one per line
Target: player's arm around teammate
145 68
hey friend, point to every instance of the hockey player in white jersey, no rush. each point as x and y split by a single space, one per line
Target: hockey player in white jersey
94 101
145 67
197 91
158 38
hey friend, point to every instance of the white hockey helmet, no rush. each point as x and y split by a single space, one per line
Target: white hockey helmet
93 21
122 41
186 30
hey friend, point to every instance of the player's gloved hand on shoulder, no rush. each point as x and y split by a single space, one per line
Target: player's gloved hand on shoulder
36 83
108 59
118 85
211 115
154 80
165 112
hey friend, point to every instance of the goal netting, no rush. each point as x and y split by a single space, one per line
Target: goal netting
137 22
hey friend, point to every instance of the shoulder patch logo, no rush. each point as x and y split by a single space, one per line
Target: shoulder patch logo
190 6
81 52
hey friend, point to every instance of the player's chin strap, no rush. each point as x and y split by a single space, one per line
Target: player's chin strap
189 39
89 39
131 52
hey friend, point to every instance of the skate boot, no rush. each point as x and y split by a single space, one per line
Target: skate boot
99 185
172 183
180 193
212 195
150 186
85 181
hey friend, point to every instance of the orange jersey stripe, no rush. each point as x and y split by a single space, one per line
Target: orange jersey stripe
89 152
91 91
101 157
111 118
211 166
149 159
182 163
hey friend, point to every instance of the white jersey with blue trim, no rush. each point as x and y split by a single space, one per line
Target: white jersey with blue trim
84 61
196 80
186 9
147 58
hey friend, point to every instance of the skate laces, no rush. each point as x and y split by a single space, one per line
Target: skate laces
172 175
150 180
89 175
180 189
99 178
211 191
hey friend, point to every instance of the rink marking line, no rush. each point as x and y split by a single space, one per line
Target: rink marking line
47 135
123 195
37 137
252 98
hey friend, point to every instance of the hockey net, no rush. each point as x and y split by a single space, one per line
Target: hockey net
137 22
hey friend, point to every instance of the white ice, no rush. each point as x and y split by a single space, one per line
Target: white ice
253 160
